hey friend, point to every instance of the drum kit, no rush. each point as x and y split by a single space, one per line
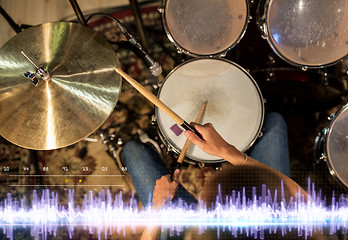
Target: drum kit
58 82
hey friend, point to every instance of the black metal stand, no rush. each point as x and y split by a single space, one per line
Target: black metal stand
14 26
78 12
139 22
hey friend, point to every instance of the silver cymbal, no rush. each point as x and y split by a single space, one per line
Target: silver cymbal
80 94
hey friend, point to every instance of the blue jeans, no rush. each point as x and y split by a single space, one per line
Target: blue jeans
145 166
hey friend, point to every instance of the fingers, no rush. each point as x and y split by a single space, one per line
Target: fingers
202 129
176 176
165 189
193 138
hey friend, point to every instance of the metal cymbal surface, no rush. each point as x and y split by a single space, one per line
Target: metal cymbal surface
81 94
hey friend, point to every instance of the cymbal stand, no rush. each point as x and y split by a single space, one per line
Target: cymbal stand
40 71
113 144
114 150
78 12
10 21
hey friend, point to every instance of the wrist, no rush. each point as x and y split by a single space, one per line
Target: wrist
233 155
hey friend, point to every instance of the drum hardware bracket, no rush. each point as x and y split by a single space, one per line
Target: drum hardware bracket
323 157
305 68
114 151
161 9
332 116
32 77
263 30
40 71
169 149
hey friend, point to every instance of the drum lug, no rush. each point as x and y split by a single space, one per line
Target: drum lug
264 100
161 9
332 172
179 50
332 116
223 54
201 164
323 157
263 30
271 60
153 120
218 168
169 149
260 134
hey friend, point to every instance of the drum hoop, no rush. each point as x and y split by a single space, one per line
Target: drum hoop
181 49
174 149
273 46
329 163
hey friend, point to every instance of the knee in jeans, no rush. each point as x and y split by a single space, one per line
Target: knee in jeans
131 147
275 119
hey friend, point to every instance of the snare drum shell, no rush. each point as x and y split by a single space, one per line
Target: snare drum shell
203 35
333 140
227 87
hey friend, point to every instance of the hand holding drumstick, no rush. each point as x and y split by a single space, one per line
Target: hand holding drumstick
188 142
167 185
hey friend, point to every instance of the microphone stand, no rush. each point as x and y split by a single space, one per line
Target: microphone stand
139 21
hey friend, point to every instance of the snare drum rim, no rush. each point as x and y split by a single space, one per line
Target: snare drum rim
327 157
181 49
268 36
258 133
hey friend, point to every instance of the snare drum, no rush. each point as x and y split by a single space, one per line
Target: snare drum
331 144
235 105
306 33
205 27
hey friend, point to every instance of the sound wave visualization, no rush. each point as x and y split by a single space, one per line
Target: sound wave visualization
104 215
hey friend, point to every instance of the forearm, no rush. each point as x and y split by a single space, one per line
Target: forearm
232 155
237 158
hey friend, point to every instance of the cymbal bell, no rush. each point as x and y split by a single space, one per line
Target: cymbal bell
81 93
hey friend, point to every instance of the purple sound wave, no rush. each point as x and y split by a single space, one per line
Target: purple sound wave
105 215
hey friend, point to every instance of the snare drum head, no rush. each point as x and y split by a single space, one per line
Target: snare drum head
308 33
337 146
235 104
204 27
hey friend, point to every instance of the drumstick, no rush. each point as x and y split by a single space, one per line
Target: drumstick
188 142
152 98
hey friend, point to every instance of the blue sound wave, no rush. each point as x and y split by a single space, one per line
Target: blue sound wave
105 215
